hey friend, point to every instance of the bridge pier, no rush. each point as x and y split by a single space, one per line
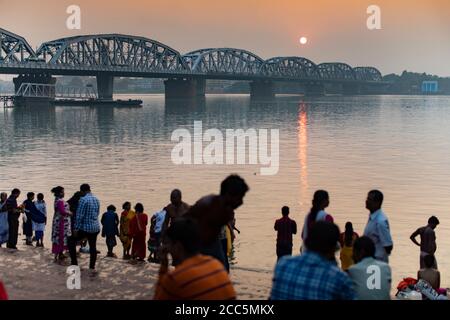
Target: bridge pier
105 86
262 89
314 89
184 88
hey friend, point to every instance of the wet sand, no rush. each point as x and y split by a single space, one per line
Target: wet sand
30 273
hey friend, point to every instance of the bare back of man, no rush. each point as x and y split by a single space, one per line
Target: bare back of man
174 212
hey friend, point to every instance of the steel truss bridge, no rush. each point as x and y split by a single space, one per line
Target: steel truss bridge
51 91
115 55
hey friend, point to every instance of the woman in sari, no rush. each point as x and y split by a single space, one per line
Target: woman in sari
4 226
321 201
61 229
138 231
125 218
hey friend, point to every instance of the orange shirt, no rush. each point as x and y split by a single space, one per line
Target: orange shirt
197 278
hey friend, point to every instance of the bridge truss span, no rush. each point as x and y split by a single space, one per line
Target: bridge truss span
224 61
367 74
112 52
336 71
107 56
14 49
290 67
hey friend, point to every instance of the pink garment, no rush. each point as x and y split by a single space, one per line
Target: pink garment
61 233
442 291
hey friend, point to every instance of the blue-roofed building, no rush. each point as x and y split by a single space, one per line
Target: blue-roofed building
430 87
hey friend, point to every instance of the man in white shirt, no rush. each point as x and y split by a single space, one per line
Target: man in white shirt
377 228
372 278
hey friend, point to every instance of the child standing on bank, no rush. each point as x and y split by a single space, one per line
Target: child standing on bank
40 220
110 223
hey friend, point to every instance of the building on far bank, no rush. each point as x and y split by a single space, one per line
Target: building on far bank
430 87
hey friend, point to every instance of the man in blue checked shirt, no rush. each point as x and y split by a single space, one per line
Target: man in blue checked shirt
314 275
86 226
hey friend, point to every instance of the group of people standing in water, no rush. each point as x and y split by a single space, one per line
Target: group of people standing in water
358 255
195 239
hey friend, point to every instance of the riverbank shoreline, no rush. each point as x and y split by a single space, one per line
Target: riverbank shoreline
31 274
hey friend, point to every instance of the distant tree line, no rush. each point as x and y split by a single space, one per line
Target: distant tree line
411 83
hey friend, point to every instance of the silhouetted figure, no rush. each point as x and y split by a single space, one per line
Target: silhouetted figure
13 218
427 240
377 227
285 228
320 202
175 209
110 223
214 212
30 210
429 273
346 240
368 272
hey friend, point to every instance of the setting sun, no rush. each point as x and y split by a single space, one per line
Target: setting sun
303 40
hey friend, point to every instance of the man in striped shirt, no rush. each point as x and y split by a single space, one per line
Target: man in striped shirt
196 277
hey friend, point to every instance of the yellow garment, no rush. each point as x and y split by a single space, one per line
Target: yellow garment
346 257
125 228
347 251
229 243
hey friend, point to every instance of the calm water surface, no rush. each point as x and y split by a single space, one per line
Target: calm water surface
346 145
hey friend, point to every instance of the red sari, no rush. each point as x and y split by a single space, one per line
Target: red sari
3 294
138 230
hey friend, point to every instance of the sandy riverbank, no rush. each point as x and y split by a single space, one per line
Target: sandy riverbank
30 273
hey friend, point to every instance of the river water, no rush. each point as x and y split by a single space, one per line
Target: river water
346 145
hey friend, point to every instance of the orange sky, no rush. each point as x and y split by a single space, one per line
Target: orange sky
414 35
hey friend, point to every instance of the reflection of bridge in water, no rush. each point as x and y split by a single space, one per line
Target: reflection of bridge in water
113 55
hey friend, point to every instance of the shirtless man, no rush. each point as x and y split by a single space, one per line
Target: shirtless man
175 209
427 240
213 212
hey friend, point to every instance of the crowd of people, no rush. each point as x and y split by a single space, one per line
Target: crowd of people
315 275
77 221
196 241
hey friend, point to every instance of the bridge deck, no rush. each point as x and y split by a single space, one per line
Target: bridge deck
120 55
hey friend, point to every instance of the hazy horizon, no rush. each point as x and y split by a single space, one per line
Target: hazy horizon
413 35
